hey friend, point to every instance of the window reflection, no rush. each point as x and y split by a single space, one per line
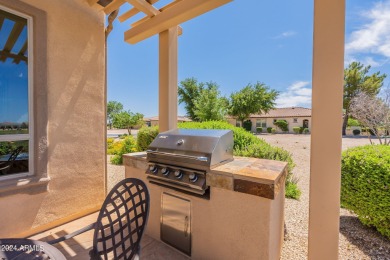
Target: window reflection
13 74
13 157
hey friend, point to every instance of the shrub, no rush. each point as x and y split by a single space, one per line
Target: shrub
353 122
356 132
114 148
128 145
365 185
301 130
269 129
248 145
306 130
145 137
122 136
259 129
296 129
282 124
247 125
292 190
273 130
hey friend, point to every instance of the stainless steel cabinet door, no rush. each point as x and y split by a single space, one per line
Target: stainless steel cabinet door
176 222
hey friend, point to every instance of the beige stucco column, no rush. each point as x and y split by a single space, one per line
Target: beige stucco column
168 79
327 104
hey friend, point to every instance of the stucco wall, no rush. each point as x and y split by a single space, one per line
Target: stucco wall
69 112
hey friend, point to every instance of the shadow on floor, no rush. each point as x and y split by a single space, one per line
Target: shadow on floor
71 248
367 239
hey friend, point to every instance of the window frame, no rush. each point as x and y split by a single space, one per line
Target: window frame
30 136
262 121
295 120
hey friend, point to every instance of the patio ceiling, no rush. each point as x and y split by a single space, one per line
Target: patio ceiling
156 20
10 50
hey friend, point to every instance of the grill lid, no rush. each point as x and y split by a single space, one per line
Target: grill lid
192 147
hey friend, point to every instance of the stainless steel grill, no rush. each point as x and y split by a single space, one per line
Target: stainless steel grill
181 158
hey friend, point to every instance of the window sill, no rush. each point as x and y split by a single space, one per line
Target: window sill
27 185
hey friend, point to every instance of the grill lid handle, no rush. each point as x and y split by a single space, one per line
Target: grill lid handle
197 158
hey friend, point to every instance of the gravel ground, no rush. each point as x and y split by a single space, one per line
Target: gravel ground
115 173
356 241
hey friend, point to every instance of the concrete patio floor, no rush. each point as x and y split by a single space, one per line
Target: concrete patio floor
78 247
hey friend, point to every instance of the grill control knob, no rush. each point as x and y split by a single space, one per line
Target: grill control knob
178 174
193 177
153 168
165 171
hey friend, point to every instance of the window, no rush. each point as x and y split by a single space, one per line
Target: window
275 120
261 123
295 120
15 93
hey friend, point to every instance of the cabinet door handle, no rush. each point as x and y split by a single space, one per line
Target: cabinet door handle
186 224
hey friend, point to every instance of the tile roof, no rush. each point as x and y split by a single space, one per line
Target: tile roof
179 118
285 112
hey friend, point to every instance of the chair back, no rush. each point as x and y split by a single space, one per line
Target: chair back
15 154
121 221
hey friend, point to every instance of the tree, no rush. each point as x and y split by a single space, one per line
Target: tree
113 108
188 91
127 120
373 113
209 105
356 80
252 99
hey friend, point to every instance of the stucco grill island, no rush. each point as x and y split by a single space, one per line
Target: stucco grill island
181 158
208 204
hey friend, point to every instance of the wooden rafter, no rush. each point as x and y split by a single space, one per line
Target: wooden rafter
156 20
161 10
133 11
8 50
144 7
13 36
177 13
17 58
115 4
1 22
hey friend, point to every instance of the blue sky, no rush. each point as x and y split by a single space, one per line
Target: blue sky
245 42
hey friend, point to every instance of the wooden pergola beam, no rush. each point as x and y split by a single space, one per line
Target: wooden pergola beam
161 10
133 11
1 21
144 7
17 58
113 6
171 17
14 35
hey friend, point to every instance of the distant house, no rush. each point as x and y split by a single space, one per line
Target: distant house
295 117
152 121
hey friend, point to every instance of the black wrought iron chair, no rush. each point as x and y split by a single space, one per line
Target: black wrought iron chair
121 222
6 166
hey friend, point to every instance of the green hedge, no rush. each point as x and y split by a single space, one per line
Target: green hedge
259 129
248 145
145 137
296 129
365 185
282 124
